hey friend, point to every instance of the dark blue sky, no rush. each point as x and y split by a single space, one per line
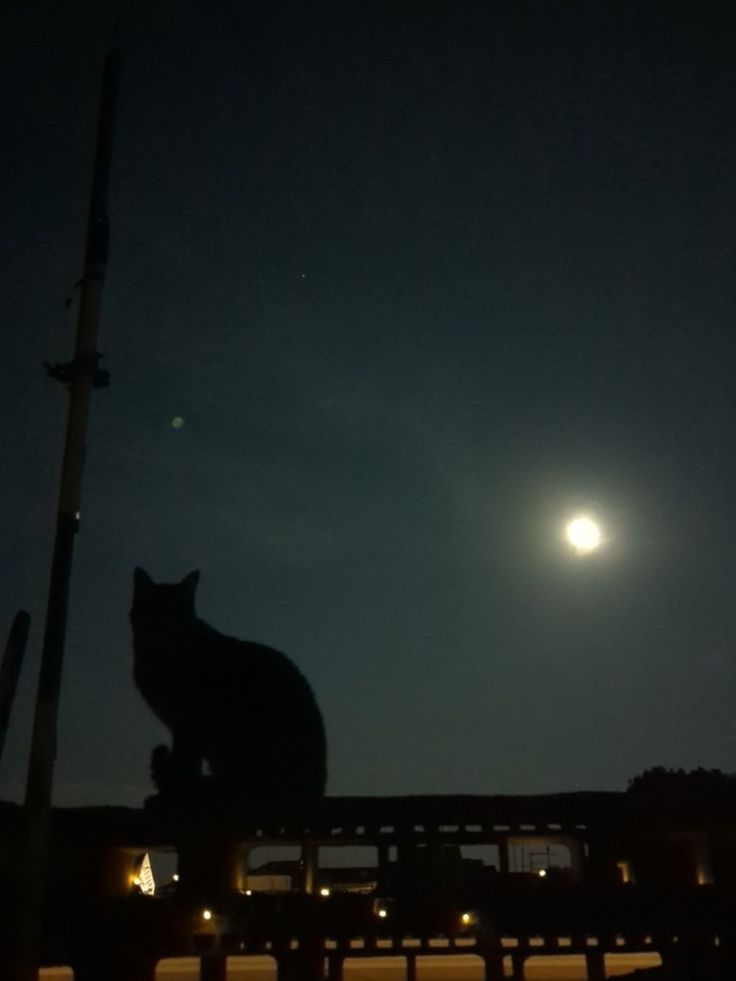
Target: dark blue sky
422 279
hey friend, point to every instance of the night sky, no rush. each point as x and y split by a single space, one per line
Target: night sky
422 278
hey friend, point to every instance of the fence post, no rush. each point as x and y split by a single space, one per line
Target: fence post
493 961
518 960
595 964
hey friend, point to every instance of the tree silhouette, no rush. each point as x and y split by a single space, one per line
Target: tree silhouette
694 785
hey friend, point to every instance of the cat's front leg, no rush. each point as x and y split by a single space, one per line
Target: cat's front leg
186 759
176 770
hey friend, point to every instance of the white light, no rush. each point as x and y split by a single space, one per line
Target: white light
324 891
466 918
383 913
542 873
584 534
206 914
175 877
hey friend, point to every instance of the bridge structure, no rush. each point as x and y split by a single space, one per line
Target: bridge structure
503 878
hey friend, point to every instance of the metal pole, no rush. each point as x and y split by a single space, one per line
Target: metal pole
15 648
80 376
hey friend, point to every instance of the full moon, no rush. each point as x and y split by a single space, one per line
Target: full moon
584 534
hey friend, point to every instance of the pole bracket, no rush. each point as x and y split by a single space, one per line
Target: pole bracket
87 366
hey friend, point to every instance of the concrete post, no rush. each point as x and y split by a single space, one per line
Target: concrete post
80 376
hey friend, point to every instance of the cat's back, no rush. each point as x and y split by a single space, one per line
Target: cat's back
253 670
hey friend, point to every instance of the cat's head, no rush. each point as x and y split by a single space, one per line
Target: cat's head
162 605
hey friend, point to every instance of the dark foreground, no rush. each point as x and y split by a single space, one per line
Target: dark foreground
638 879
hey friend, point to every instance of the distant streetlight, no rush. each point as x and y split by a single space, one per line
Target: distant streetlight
584 534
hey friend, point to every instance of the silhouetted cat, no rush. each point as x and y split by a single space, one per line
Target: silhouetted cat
244 708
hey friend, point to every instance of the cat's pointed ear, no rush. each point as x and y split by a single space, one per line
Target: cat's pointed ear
191 580
141 579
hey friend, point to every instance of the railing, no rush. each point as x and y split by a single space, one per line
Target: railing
427 899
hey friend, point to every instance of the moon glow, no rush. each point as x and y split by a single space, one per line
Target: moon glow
583 534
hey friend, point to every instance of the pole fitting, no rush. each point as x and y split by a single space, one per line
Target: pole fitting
85 366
